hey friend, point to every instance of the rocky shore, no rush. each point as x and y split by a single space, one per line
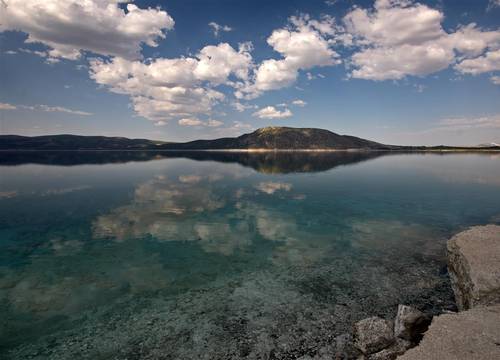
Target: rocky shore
472 333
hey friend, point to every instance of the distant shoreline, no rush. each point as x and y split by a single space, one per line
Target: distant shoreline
263 140
429 150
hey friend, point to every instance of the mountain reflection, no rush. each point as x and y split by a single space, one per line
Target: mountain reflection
264 162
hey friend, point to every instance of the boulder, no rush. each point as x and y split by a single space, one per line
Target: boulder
410 323
471 335
373 334
474 266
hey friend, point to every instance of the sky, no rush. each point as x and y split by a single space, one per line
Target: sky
393 71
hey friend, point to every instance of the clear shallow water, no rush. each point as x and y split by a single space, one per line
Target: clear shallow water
141 255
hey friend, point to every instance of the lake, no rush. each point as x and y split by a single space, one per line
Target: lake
141 255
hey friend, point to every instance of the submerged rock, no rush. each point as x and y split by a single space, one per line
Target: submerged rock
373 334
471 335
474 266
392 352
410 323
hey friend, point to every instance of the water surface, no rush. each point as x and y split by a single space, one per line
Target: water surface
223 255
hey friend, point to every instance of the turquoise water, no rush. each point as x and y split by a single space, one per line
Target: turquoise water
220 256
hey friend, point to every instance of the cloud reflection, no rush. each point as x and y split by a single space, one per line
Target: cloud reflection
191 208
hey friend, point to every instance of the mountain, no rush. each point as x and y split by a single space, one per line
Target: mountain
265 138
74 142
270 138
282 138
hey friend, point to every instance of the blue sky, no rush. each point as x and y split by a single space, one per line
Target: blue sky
395 71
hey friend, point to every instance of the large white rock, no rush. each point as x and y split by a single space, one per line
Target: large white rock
468 335
474 266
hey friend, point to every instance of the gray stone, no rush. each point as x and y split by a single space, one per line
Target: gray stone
410 323
471 335
373 334
474 266
392 352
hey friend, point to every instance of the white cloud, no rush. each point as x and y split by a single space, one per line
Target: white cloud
72 26
274 74
190 122
487 63
305 44
393 23
10 52
299 102
197 122
45 108
471 41
5 106
384 63
398 38
270 112
495 80
181 87
216 63
216 28
42 54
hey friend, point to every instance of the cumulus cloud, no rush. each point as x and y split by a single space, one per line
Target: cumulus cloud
398 38
216 28
304 44
99 26
270 112
487 63
299 102
163 89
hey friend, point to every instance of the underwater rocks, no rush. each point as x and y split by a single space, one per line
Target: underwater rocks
474 266
380 339
373 334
